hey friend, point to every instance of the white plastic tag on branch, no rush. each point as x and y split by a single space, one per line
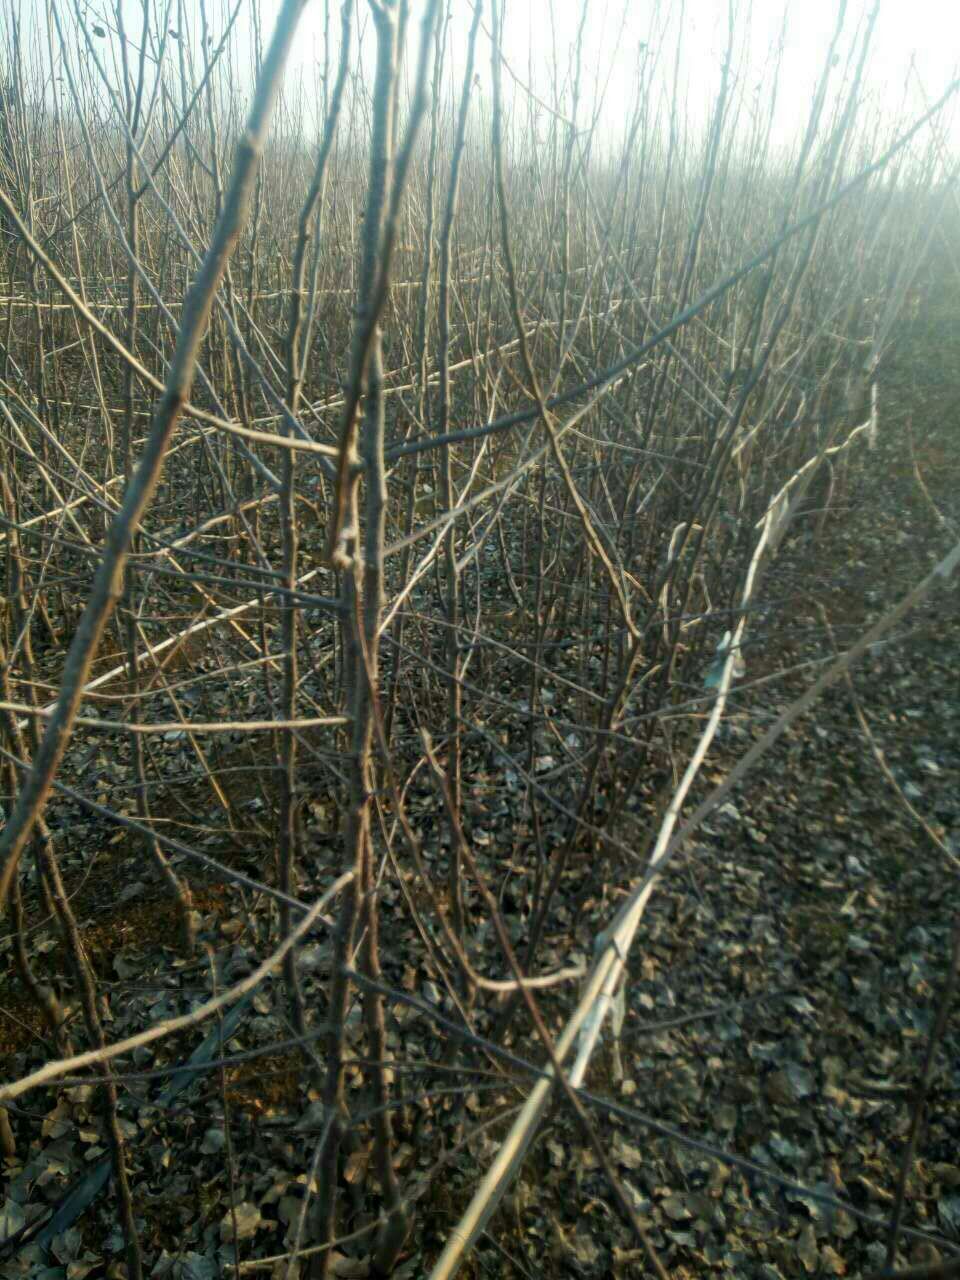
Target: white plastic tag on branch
619 1010
594 1017
715 674
617 1006
592 1023
616 1027
778 517
873 430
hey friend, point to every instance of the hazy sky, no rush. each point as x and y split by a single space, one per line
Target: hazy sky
921 33
541 33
